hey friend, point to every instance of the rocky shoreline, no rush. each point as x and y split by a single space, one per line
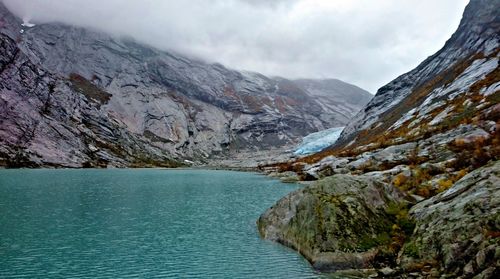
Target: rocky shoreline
360 225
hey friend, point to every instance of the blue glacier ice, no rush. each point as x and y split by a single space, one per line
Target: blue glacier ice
318 141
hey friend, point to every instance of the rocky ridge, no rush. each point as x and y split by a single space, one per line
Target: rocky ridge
433 136
184 109
435 85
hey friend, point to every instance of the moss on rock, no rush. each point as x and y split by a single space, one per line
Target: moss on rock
340 222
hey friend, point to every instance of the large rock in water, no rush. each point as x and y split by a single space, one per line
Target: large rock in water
459 230
337 223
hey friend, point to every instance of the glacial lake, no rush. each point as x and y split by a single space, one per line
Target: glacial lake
140 223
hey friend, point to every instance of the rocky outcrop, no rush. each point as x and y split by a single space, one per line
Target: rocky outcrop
340 222
347 222
458 231
188 109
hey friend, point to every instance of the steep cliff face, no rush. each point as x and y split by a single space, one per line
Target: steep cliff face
185 108
45 121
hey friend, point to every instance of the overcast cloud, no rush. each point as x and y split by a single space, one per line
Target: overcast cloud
365 42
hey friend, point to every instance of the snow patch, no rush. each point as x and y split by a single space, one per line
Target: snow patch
28 24
318 141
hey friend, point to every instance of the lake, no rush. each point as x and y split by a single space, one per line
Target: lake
140 223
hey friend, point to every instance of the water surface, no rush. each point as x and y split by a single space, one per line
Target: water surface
140 224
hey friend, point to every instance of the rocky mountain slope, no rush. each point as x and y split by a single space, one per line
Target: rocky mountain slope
46 121
431 93
86 98
347 99
411 189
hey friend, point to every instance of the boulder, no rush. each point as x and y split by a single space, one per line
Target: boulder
337 223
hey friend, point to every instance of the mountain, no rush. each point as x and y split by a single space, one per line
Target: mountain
435 87
411 189
348 97
77 97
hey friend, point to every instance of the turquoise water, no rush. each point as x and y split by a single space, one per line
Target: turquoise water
141 223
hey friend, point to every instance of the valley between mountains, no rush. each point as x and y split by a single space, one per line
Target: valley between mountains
411 189
73 97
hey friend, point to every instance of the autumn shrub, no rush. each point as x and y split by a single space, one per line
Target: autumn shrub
88 89
475 152
399 180
415 183
444 184
403 225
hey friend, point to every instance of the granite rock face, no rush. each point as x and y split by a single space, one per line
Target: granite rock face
460 228
347 102
178 106
430 94
44 121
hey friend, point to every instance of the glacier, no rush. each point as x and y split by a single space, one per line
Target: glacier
318 141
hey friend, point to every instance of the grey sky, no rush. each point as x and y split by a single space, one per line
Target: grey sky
365 42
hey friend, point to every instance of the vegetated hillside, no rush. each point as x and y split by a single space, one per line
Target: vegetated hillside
411 190
176 106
